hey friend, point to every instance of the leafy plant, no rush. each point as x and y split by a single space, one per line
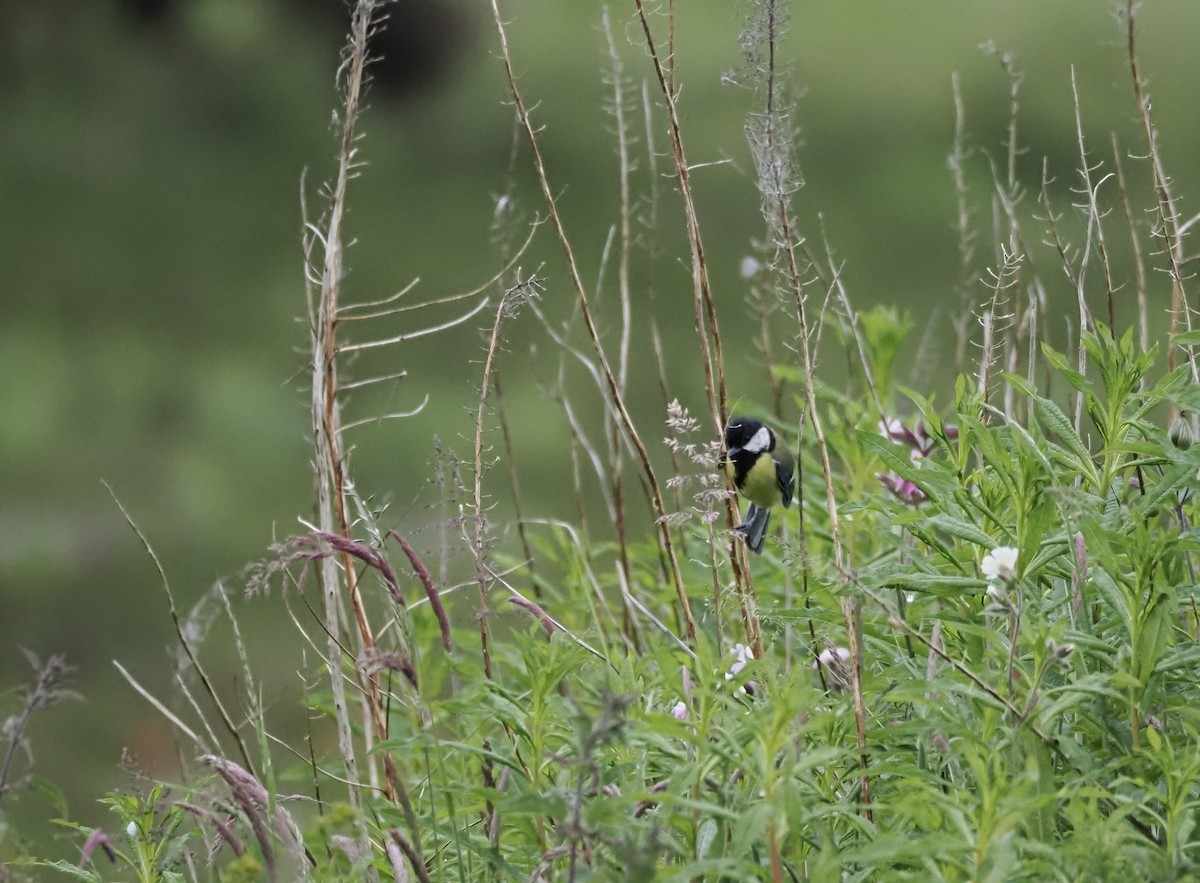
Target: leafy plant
970 653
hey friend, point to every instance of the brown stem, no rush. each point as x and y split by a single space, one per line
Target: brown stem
711 358
328 458
1167 215
616 399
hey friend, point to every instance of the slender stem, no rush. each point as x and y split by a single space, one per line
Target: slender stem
481 571
1135 242
328 459
711 356
616 399
1168 216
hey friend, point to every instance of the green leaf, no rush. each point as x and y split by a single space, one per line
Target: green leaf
1031 446
919 527
931 477
1188 397
962 530
887 451
995 454
1187 338
62 866
406 744
787 373
1068 697
1052 417
705 835
1059 362
1154 631
1039 770
1174 478
1183 658
1046 551
752 822
1174 382
884 329
532 804
700 807
1114 598
49 792
943 584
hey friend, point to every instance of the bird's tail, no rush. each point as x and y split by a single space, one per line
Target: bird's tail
754 527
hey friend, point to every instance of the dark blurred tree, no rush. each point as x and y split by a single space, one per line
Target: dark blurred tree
414 45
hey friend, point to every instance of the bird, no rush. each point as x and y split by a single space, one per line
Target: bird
763 472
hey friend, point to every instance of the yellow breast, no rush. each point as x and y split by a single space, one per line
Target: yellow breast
761 486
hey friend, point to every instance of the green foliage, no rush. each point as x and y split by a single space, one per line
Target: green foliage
980 655
157 834
884 329
1039 725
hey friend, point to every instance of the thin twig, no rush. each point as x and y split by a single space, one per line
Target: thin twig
774 165
962 224
1168 216
230 727
1135 242
326 416
617 400
162 709
1091 207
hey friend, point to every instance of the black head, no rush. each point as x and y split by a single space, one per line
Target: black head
743 434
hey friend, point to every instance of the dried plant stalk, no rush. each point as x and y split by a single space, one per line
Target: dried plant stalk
1168 215
711 357
769 136
616 401
327 428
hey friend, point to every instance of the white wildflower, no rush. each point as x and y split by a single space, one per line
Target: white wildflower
835 668
1001 603
743 653
999 565
829 655
680 710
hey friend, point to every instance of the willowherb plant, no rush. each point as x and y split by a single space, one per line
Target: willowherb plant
974 658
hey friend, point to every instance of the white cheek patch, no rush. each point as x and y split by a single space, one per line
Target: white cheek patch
760 442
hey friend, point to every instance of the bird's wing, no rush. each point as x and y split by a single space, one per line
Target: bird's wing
785 476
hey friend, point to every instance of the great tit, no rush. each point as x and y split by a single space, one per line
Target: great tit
762 471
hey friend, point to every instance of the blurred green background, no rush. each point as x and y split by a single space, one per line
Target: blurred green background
151 158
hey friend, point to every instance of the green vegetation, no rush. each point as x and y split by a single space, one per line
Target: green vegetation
970 652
